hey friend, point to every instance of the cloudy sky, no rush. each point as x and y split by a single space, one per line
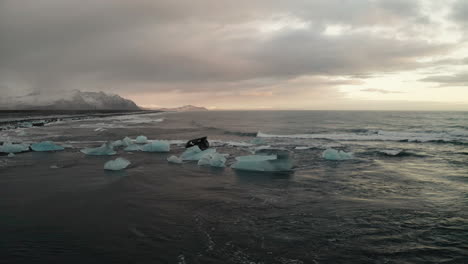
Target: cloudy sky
243 54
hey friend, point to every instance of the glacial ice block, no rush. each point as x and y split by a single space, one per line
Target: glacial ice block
46 146
195 153
266 163
105 150
157 146
141 140
174 159
117 143
133 147
117 164
127 141
213 160
8 147
333 154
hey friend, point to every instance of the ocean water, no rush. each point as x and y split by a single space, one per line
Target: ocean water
402 199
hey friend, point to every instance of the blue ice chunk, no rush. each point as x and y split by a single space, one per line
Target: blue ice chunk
174 159
127 141
141 140
46 146
8 147
268 163
133 147
117 143
25 124
117 164
258 141
105 150
157 146
213 160
333 154
195 153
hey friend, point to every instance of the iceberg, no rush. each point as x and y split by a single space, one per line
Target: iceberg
8 147
46 146
195 153
105 150
133 147
117 164
333 154
11 155
157 146
174 159
22 133
391 152
257 141
262 162
141 140
127 141
213 160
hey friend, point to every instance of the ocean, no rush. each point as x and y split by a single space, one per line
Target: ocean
402 198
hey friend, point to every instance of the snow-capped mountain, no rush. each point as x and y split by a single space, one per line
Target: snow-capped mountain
76 100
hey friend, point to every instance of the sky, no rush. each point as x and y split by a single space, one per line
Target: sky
243 54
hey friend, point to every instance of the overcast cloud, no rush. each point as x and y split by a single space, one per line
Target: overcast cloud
242 48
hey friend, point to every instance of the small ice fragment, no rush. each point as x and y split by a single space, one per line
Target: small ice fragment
117 164
105 150
117 143
195 153
213 160
54 167
157 146
11 155
268 163
302 148
22 133
8 147
99 129
141 140
174 159
133 147
127 141
46 146
333 154
25 124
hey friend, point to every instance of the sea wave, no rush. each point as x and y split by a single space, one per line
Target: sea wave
456 137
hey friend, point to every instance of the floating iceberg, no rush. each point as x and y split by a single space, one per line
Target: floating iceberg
141 140
157 146
127 141
195 153
11 155
133 147
213 160
333 154
8 147
268 163
105 150
117 164
174 159
25 124
46 146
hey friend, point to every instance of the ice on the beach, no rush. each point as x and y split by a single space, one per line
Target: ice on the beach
213 159
117 164
141 140
267 163
195 153
133 147
157 146
8 147
174 159
11 155
105 150
117 143
46 146
127 141
333 154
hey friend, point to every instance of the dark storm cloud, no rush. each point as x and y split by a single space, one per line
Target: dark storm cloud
460 79
62 44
